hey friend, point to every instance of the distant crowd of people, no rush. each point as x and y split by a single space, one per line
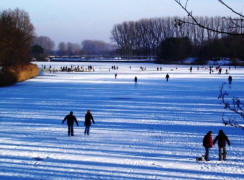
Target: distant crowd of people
90 68
71 68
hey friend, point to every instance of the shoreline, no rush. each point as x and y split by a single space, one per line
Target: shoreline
19 73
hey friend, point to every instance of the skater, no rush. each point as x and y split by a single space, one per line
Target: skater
230 79
222 139
207 143
70 122
87 123
220 70
115 76
210 69
167 77
135 79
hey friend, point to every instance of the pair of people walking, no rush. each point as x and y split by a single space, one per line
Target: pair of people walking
71 119
208 143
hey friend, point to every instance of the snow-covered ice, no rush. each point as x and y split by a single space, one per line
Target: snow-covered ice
149 130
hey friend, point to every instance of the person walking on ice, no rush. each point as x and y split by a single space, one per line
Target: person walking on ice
70 122
135 79
222 139
167 77
207 143
88 120
230 79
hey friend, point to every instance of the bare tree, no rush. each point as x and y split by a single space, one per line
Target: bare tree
62 48
235 25
233 105
69 48
16 35
95 47
73 48
144 36
45 42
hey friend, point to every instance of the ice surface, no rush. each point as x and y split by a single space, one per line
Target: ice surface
149 130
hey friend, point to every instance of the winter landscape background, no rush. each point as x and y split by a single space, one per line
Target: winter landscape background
149 130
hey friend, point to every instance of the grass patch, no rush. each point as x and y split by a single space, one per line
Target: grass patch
13 74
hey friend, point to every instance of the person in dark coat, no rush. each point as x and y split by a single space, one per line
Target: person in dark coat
135 79
88 120
207 143
222 139
230 79
70 122
191 69
167 77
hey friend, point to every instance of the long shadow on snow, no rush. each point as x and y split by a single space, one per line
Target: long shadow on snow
37 170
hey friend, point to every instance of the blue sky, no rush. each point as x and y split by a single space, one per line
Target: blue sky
78 20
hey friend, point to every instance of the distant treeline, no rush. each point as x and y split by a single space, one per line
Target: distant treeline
164 38
44 46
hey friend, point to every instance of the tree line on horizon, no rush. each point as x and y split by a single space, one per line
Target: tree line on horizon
159 37
169 41
44 46
162 37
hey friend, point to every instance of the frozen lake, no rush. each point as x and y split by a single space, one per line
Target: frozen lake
149 130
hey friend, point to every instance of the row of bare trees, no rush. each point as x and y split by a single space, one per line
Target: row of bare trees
144 36
87 47
45 46
45 42
69 48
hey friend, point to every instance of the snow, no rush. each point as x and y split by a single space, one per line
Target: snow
149 130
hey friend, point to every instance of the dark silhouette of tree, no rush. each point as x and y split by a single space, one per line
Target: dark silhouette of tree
226 47
37 52
172 49
16 35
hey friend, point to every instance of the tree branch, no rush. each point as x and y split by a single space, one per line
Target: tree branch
237 107
234 11
195 22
